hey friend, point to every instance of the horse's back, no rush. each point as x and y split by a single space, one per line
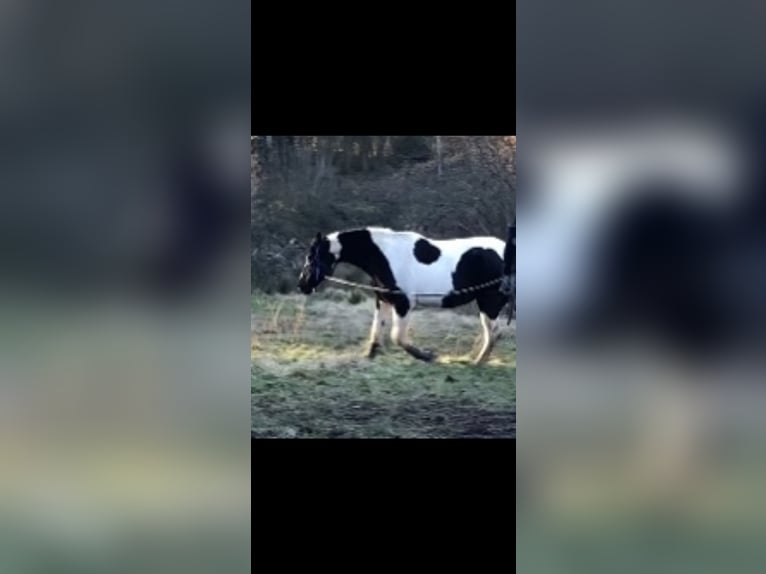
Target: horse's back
455 248
401 243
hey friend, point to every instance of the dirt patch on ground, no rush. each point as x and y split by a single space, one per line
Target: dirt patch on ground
448 418
433 418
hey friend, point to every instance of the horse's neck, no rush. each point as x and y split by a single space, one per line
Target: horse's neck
368 259
359 260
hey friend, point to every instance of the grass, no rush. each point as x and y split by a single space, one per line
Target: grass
309 377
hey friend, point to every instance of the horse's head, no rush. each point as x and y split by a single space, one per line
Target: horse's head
319 264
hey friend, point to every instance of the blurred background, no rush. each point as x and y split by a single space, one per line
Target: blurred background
123 228
642 244
125 140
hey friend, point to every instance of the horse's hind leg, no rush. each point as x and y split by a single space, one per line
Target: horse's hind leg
399 337
490 305
489 337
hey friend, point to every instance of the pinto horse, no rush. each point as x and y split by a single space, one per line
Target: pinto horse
414 269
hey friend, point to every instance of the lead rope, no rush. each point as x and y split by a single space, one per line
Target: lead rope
400 292
511 305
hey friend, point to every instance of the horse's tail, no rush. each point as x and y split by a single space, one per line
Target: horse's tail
508 288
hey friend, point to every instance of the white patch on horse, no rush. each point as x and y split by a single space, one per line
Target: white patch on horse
435 280
335 245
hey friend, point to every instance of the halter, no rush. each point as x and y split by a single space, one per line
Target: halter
317 265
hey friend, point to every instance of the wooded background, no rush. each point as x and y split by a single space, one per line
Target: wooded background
441 186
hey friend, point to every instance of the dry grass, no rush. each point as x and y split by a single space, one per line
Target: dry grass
310 379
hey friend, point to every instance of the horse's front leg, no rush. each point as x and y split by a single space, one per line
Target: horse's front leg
399 337
382 315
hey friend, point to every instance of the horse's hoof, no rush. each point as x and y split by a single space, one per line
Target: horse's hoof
419 354
424 356
373 350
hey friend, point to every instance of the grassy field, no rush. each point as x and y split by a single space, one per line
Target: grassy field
309 377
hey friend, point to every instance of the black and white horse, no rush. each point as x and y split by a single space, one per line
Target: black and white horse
422 270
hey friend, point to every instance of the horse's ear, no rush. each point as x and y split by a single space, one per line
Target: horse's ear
319 236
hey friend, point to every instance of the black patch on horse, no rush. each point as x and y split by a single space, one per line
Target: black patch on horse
358 248
426 252
476 266
657 270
